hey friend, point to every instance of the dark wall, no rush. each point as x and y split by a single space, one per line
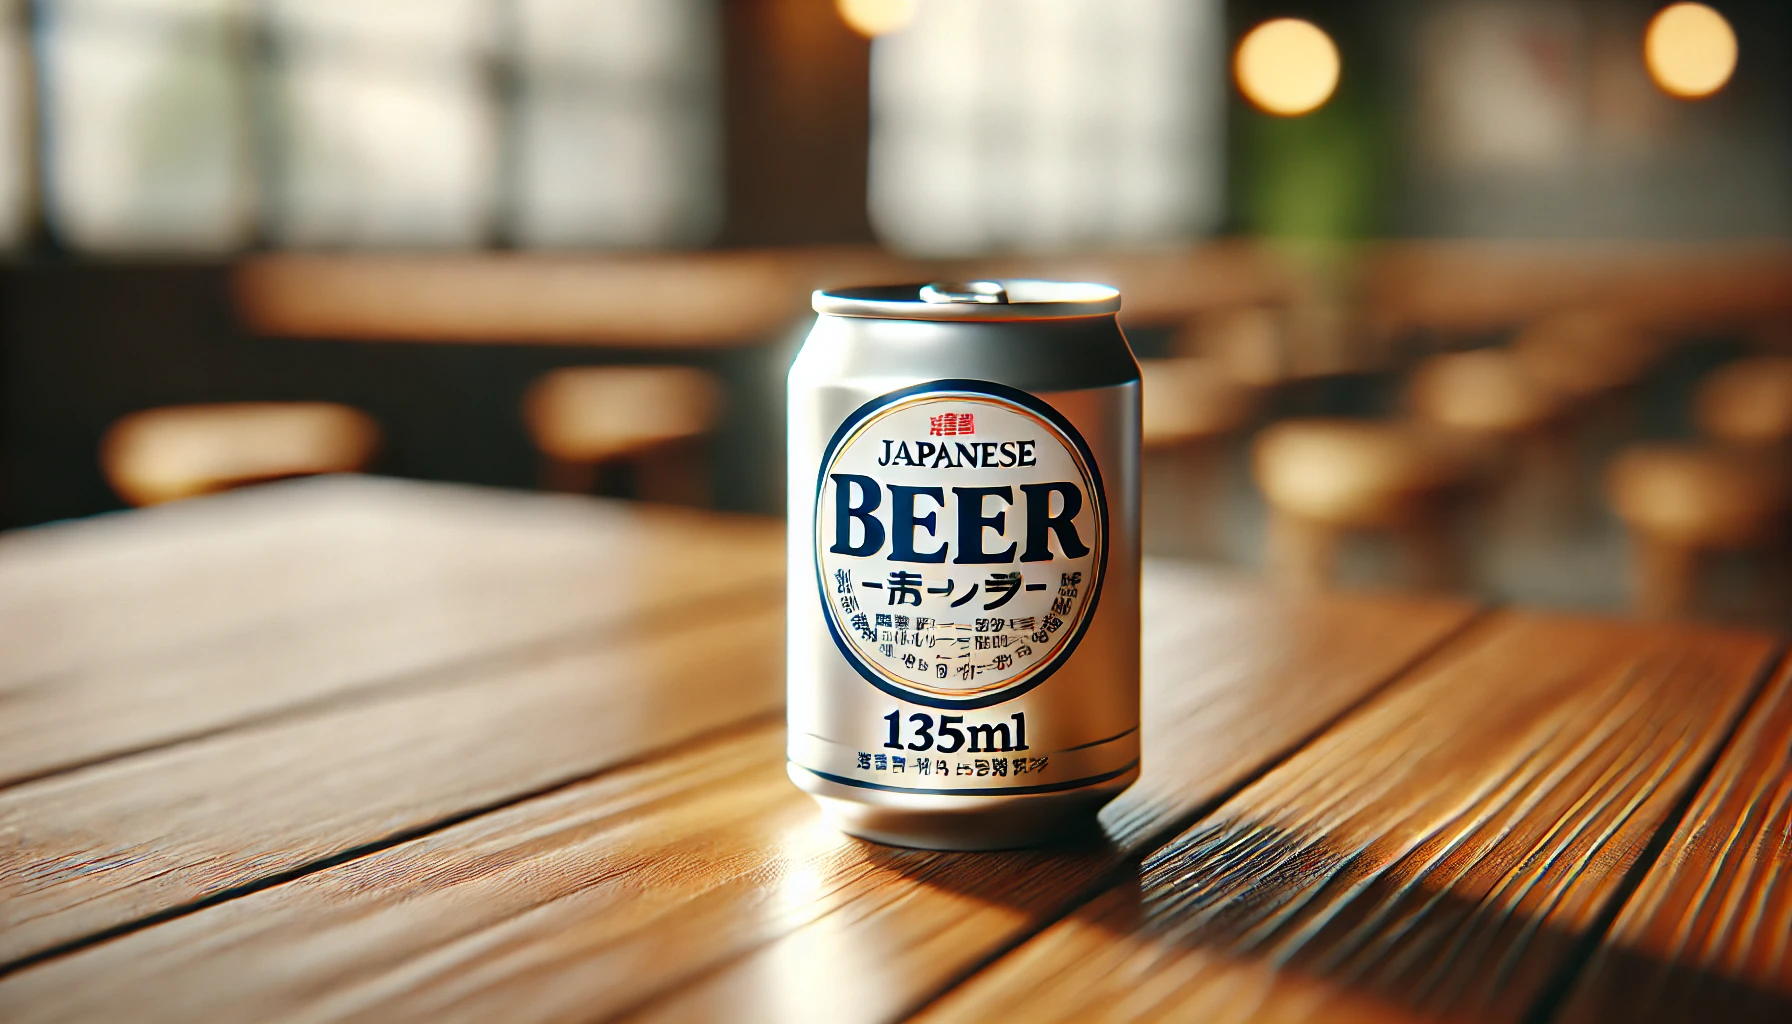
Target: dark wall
87 343
84 343
797 115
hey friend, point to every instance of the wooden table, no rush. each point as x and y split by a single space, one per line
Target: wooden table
354 748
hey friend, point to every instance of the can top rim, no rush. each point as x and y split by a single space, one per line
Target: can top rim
1004 299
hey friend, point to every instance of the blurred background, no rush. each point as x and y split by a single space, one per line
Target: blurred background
1492 296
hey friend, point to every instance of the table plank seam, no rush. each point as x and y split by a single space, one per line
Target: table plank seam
1128 863
385 842
1553 998
563 641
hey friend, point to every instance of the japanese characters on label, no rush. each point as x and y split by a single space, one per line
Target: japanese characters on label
958 541
941 768
966 649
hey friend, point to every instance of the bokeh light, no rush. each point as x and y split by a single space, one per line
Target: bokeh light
1690 50
1287 66
873 18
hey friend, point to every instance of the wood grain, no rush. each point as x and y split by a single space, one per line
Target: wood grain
704 884
172 623
1441 854
117 585
102 847
1708 934
131 583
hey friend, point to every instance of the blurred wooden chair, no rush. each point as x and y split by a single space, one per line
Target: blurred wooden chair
1249 344
1190 408
1771 335
1584 354
1190 401
654 419
1680 501
1590 359
1326 478
182 451
1747 403
1484 393
1505 422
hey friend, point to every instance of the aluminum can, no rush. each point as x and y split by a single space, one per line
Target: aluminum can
963 621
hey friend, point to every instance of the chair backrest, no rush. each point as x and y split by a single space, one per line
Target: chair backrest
594 413
1481 392
1188 400
1747 402
180 451
1582 353
1351 472
1699 498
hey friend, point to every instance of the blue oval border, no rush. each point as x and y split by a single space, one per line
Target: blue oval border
1033 404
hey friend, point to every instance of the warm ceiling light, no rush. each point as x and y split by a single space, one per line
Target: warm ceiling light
1287 66
873 18
1690 50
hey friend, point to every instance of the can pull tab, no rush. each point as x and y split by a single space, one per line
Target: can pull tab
988 292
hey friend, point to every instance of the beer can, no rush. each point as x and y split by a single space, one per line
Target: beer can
963 629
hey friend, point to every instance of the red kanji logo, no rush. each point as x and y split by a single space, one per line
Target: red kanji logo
951 424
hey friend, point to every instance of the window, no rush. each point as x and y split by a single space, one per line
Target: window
209 124
15 126
1046 124
386 132
144 128
618 136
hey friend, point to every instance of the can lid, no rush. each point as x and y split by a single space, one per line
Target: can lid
1009 299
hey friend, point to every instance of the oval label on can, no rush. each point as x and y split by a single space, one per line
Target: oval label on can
961 534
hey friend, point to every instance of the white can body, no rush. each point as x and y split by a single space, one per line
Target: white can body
963 627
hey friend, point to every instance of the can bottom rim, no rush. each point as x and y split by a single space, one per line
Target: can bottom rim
930 822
